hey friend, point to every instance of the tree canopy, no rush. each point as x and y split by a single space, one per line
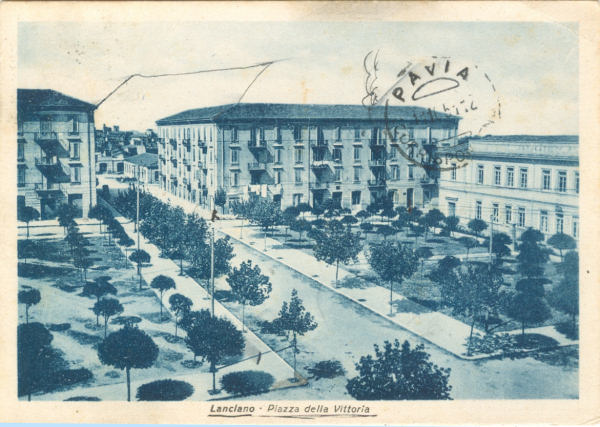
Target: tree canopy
249 286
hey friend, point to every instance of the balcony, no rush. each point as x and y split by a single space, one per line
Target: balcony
319 185
257 167
377 163
174 162
377 143
338 143
321 145
187 143
53 169
161 141
376 183
257 145
50 144
50 191
173 142
320 165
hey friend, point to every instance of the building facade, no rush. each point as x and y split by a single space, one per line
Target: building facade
55 154
517 181
294 153
143 167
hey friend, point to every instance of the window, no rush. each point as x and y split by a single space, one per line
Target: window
234 135
575 227
21 176
451 208
495 212
75 150
395 172
559 223
478 209
338 134
544 221
577 182
479 174
46 125
261 134
235 156
510 177
338 175
393 154
20 151
356 197
497 175
508 214
523 178
562 181
298 155
337 155
357 135
521 217
74 128
235 179
76 175
356 174
278 177
298 176
20 127
278 156
546 179
357 154
411 172
297 198
453 172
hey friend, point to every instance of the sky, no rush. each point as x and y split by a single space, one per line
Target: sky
528 71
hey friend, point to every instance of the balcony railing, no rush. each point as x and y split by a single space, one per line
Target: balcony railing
173 142
257 145
319 185
187 143
376 182
51 191
53 169
319 145
377 163
320 164
49 142
257 167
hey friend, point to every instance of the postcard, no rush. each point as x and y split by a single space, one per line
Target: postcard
324 213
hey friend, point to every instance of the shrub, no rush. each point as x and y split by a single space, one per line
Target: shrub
59 327
326 369
568 329
164 390
247 382
83 399
67 378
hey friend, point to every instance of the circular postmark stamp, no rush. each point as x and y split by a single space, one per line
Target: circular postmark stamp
443 92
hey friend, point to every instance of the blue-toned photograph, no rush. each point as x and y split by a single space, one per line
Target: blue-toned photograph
285 211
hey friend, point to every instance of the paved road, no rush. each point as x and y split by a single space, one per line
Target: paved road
347 331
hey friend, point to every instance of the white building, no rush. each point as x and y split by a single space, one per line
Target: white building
518 181
143 167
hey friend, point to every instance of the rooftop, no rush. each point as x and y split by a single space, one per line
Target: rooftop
44 99
148 160
267 111
564 139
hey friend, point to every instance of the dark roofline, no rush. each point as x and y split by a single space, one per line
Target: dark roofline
31 100
301 112
574 139
148 160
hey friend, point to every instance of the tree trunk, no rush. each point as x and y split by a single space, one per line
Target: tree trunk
161 305
26 313
391 297
523 330
294 343
140 275
337 265
471 336
128 385
213 369
105 326
176 326
243 317
242 229
27 229
181 266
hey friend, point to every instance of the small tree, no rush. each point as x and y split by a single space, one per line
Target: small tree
348 220
451 223
500 248
164 390
28 214
565 295
266 214
362 215
126 242
99 288
66 215
214 338
300 226
393 263
289 216
128 348
399 373
303 208
335 244
82 261
294 319
249 286
385 231
180 305
162 283
29 297
433 218
27 249
477 226
139 256
107 307
562 242
417 230
33 342
423 253
532 257
221 198
469 243
367 227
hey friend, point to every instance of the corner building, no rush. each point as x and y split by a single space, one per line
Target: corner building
299 153
517 181
55 152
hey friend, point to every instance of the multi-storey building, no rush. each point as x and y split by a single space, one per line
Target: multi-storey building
517 181
55 154
301 153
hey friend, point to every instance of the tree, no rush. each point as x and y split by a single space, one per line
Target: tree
29 297
393 263
33 341
294 319
164 390
107 307
289 216
531 257
27 249
128 348
317 210
303 208
66 215
223 253
139 256
335 244
469 243
385 231
362 215
417 230
214 339
451 223
565 295
423 253
126 242
180 305
414 214
82 261
367 227
162 283
348 220
249 286
221 199
562 242
99 288
399 373
100 213
266 214
477 226
444 271
28 214
433 218
500 249
242 210
300 226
